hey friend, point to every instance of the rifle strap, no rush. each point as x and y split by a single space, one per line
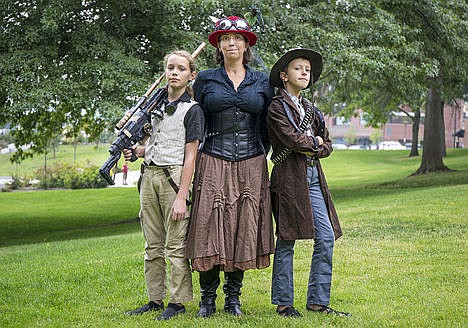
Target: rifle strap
173 184
290 116
301 129
140 178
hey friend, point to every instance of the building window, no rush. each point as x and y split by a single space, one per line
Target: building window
363 121
342 121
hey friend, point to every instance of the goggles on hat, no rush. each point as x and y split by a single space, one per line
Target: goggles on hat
226 24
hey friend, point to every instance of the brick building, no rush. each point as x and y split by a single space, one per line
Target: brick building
398 128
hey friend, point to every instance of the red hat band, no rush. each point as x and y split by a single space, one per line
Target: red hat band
232 24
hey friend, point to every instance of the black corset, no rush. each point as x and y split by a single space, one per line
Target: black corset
232 135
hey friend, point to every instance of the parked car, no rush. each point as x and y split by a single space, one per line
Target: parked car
357 147
339 146
391 145
408 145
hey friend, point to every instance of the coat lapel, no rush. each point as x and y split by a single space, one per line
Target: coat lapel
291 104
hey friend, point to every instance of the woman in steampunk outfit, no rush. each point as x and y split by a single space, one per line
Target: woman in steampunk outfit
231 224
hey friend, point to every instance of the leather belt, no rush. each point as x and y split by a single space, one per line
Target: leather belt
174 185
152 164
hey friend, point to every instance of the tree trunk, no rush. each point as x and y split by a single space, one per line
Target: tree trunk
432 145
45 169
415 134
75 144
442 128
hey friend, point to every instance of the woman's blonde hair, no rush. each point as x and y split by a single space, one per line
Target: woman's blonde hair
190 59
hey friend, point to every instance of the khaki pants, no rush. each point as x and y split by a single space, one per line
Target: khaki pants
164 237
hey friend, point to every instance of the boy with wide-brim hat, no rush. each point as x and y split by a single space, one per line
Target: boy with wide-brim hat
301 202
314 58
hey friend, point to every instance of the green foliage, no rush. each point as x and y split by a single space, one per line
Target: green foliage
18 182
85 154
350 136
60 68
70 65
5 140
69 176
376 136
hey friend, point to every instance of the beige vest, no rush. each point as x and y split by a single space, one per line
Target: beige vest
166 145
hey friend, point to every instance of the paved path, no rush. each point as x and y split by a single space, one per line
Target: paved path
132 179
4 181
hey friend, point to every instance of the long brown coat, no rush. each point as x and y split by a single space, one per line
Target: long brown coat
290 197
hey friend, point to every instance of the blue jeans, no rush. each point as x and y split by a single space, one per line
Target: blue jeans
320 277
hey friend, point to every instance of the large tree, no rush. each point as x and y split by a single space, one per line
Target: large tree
380 55
427 68
79 64
442 29
367 56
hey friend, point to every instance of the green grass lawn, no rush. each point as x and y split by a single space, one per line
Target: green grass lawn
64 153
74 258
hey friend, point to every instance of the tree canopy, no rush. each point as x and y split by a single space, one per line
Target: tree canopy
77 65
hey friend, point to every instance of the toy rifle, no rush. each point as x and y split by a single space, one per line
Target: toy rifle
135 126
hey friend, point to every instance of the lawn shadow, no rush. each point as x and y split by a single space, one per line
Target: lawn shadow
43 235
34 231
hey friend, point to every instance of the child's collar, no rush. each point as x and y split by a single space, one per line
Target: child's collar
185 97
293 97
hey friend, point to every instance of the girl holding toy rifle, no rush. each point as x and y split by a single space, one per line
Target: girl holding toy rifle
169 160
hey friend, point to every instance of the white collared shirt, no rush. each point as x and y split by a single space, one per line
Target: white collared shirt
298 103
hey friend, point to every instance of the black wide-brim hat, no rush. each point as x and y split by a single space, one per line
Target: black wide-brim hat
313 56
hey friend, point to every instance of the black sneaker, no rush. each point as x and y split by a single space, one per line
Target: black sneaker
327 310
151 306
171 311
289 312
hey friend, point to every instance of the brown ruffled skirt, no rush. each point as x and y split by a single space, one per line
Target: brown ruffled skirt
231 222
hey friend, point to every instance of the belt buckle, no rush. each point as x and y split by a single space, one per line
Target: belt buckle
310 161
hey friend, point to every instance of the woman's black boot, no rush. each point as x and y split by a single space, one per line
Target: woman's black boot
232 289
209 282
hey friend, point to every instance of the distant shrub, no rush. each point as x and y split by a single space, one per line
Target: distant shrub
69 176
18 182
